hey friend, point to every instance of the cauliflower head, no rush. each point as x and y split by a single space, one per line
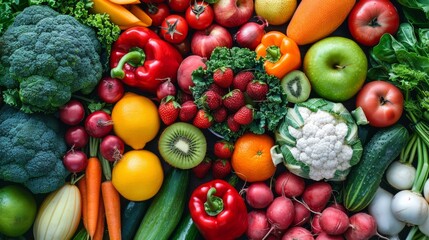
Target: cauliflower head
31 149
319 140
45 57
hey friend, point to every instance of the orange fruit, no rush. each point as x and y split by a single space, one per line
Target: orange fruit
251 159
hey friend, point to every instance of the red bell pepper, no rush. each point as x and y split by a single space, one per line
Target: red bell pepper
141 59
218 210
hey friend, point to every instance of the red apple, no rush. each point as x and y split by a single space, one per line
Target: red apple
233 13
204 41
187 66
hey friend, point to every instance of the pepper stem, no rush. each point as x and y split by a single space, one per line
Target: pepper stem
135 58
214 204
273 53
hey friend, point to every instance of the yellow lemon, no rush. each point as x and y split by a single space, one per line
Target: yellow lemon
135 120
138 175
276 12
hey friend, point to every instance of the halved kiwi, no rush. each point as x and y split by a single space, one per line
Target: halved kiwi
297 86
182 145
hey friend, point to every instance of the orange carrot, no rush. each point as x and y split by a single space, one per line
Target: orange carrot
314 20
99 231
112 206
83 195
93 184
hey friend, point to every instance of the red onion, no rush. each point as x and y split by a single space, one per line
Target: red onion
165 89
250 34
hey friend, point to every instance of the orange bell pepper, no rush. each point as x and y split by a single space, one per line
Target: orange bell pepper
281 54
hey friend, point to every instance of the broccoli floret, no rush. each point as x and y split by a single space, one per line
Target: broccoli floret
45 57
31 148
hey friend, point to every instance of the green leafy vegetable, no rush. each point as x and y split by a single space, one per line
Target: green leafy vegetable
416 11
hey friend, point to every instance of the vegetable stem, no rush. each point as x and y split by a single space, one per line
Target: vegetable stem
93 146
107 171
135 58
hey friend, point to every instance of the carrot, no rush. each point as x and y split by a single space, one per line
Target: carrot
99 231
314 20
112 206
84 198
93 184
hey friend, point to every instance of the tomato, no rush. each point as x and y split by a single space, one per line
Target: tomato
174 29
199 16
158 12
382 103
370 19
179 5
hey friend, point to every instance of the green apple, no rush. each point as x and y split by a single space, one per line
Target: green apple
336 68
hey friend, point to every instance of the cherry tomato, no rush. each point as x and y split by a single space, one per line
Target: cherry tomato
370 19
157 12
382 103
174 29
179 5
199 16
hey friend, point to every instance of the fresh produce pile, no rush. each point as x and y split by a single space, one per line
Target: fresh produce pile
217 119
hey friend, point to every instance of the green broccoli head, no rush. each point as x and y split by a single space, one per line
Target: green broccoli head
31 148
50 54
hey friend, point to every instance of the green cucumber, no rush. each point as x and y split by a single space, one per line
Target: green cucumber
365 177
131 218
186 230
166 209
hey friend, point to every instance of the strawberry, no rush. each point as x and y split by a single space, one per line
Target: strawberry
244 115
223 149
220 114
211 100
223 77
241 80
234 100
232 124
201 170
257 90
188 111
183 97
168 110
221 168
203 119
214 87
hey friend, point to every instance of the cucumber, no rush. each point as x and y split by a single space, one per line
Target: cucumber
365 177
167 207
131 218
186 230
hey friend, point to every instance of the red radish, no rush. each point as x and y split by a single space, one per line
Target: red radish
315 224
280 213
110 90
76 137
258 225
297 233
289 185
75 161
249 35
112 148
302 214
325 236
334 221
98 124
165 89
338 206
316 195
72 113
259 195
362 226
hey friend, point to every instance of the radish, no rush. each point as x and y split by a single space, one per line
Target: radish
316 195
112 148
302 214
400 175
280 213
315 224
75 161
289 185
165 89
410 207
110 90
362 227
325 236
339 207
98 124
258 225
426 190
333 221
76 137
259 195
72 113
297 233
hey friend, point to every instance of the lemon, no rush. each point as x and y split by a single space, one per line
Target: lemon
135 120
138 175
276 12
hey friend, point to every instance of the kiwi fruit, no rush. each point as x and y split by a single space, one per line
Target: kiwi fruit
182 145
296 86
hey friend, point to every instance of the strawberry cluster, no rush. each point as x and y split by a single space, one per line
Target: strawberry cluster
221 165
